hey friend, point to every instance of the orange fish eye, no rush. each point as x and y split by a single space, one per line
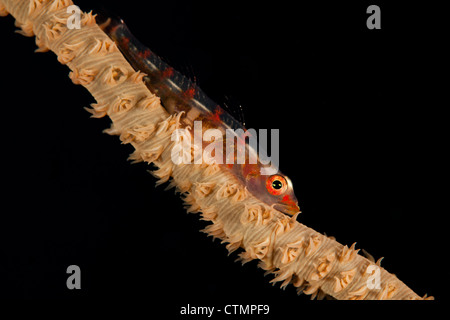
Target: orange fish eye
276 185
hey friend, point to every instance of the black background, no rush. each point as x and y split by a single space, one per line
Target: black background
360 126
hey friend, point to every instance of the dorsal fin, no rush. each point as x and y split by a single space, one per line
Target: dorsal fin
235 109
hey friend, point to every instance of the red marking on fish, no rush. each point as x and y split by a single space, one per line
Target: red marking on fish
251 170
287 200
125 42
144 54
215 117
189 93
168 72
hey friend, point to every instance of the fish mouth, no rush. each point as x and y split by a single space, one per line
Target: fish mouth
288 209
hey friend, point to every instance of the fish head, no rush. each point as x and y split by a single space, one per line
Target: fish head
275 190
